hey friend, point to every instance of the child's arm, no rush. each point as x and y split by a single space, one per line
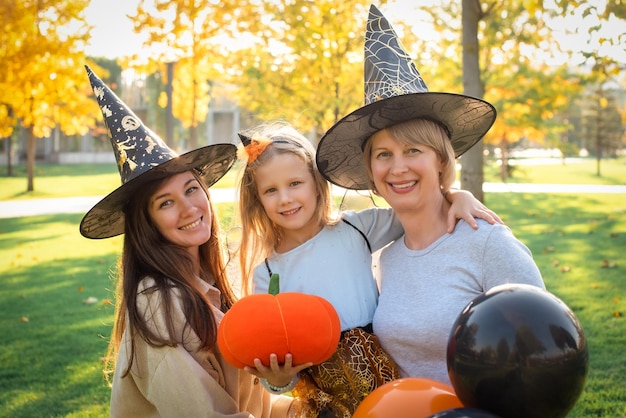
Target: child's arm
465 206
277 378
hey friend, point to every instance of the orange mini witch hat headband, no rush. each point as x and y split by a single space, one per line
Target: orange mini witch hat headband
255 146
252 147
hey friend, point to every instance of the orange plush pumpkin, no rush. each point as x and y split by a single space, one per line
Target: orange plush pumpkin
307 326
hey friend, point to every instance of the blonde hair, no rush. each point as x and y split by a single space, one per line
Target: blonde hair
420 132
259 234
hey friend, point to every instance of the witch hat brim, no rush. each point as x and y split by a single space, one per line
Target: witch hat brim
395 93
340 151
106 218
143 157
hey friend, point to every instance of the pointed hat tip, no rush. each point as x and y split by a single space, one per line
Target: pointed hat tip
375 13
245 140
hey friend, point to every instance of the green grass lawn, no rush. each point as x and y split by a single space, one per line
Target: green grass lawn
53 336
52 180
613 171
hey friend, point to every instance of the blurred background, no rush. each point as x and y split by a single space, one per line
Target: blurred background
198 71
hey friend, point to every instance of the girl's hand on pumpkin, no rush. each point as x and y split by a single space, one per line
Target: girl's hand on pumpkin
276 374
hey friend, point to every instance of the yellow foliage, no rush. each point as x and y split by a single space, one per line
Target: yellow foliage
162 100
42 44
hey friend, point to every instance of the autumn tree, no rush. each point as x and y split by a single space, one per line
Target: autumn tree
522 81
505 47
532 107
602 127
184 37
304 61
41 50
602 30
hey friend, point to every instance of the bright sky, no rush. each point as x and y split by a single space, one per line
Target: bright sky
113 36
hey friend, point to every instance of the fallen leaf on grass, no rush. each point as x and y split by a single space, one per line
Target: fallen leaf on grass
24 319
555 263
80 288
618 314
90 300
548 250
565 269
107 302
606 264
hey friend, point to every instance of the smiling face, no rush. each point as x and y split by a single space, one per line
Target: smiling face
287 190
405 175
180 210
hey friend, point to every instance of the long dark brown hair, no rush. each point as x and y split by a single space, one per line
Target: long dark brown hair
147 253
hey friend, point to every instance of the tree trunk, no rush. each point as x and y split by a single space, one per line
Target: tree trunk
169 121
472 160
9 146
193 131
193 137
599 133
9 149
504 160
31 150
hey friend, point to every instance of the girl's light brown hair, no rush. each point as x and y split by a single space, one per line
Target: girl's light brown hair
259 234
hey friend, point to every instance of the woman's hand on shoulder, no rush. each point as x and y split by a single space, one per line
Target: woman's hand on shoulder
465 206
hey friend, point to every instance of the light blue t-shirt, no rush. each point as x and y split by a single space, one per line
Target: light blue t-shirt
336 264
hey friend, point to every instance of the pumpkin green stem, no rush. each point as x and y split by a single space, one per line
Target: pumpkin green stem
274 287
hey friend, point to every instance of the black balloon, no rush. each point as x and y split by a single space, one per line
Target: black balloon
518 351
464 413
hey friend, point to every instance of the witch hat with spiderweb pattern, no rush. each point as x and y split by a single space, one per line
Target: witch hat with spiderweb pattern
395 92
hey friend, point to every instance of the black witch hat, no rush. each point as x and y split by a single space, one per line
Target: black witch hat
142 157
395 92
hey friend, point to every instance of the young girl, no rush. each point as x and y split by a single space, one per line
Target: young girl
289 231
172 290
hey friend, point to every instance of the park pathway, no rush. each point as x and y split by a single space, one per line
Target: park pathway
35 207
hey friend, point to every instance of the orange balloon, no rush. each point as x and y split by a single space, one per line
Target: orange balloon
411 397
